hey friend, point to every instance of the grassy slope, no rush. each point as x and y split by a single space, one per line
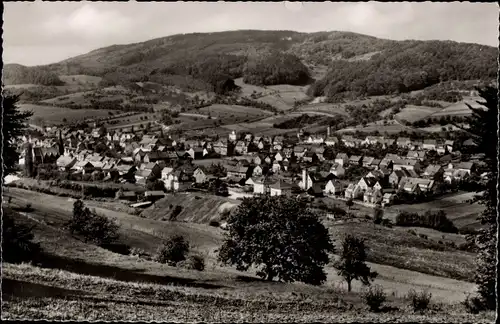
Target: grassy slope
55 115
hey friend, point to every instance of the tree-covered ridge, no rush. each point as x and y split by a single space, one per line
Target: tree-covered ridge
275 68
407 66
19 74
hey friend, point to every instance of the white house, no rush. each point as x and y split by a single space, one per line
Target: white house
337 170
333 187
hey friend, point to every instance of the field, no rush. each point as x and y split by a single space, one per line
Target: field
390 127
327 108
97 283
80 79
462 214
413 113
55 115
458 109
135 120
222 111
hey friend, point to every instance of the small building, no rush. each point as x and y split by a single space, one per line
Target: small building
281 188
341 159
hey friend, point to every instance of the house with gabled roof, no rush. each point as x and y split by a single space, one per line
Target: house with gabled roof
310 157
241 147
337 169
353 191
355 160
197 153
433 171
449 144
342 159
367 161
403 142
375 164
430 144
409 164
299 151
372 196
281 188
408 184
331 141
333 187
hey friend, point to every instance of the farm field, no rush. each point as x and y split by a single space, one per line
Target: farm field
463 214
458 109
413 113
55 115
80 79
391 127
220 111
331 109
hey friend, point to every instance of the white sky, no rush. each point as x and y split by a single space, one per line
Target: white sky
47 32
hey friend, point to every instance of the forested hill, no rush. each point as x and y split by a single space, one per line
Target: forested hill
358 64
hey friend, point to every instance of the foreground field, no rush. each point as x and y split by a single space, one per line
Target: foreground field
56 115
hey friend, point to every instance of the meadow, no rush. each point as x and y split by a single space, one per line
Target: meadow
54 115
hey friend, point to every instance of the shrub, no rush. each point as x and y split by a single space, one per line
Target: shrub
175 212
412 232
193 262
374 297
419 300
214 223
423 236
173 251
92 227
473 304
17 240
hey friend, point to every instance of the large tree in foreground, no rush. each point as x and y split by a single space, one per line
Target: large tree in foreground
484 129
281 237
13 126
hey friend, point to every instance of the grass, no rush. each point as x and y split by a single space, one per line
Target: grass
220 111
331 109
413 113
55 115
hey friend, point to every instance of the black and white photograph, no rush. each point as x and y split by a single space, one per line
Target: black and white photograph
250 162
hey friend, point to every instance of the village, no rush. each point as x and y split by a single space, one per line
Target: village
243 165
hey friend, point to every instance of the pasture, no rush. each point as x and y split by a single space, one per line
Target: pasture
80 79
53 115
458 109
413 113
327 108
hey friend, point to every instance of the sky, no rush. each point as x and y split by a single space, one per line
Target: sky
40 33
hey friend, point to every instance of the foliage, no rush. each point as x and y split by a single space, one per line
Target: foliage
484 129
92 227
435 220
298 122
217 170
175 212
13 126
279 235
17 240
193 262
275 68
374 297
218 187
155 185
174 250
406 66
378 215
473 304
18 74
351 265
419 300
214 223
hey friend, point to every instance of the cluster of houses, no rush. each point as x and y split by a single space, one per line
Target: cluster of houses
259 163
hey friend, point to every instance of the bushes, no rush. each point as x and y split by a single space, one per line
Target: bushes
175 212
473 304
193 262
92 227
419 300
214 223
374 297
173 251
17 240
437 221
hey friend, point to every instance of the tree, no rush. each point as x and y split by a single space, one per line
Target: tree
351 265
17 240
484 127
349 203
174 250
280 236
13 121
378 215
92 227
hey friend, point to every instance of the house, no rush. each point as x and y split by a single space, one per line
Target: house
307 180
430 144
434 172
261 185
449 144
350 141
172 180
197 153
276 167
396 176
333 187
248 137
278 157
387 199
453 175
154 157
287 152
372 140
372 196
278 139
156 194
241 147
155 168
418 155
367 161
337 169
441 149
139 155
220 147
342 159
468 167
299 151
355 160
232 136
331 141
281 188
84 167
366 183
237 172
388 142
65 163
353 192
423 185
403 142
142 176
375 164
310 157
257 171
199 176
315 139
408 164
